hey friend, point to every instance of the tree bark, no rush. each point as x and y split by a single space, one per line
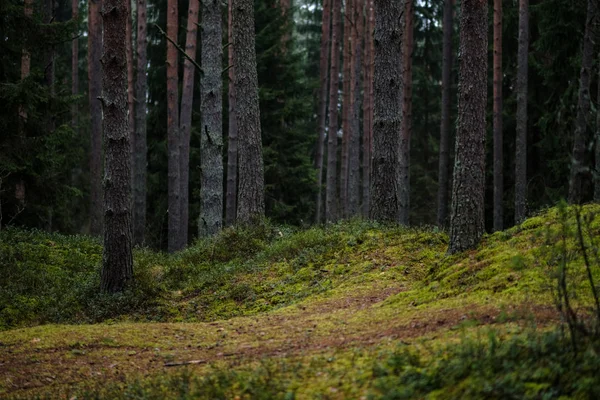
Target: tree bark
140 141
211 137
347 106
117 258
498 156
232 134
578 169
95 90
387 123
353 191
444 160
467 220
597 147
521 143
173 134
322 117
75 64
331 197
251 200
185 117
130 76
368 109
404 183
25 66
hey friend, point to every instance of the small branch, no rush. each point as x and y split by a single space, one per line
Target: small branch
227 69
179 363
182 51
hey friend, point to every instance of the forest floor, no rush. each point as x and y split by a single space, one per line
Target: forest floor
377 293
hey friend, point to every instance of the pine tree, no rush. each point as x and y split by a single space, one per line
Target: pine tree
368 108
74 63
404 181
521 144
232 133
347 106
498 154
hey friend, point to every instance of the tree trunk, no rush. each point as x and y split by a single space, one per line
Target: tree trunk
597 147
49 12
521 144
322 117
185 117
404 183
387 123
251 196
140 142
95 90
368 109
347 106
130 83
211 137
578 169
117 258
353 192
466 222
75 64
232 135
25 66
173 135
332 139
444 161
498 175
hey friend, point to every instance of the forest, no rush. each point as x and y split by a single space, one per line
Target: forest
281 199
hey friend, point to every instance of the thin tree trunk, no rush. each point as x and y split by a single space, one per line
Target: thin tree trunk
75 64
466 222
404 166
353 192
324 82
444 161
387 123
117 258
578 169
173 134
95 90
251 200
332 139
498 175
232 135
347 107
521 144
211 137
185 118
597 146
130 76
50 61
368 109
25 65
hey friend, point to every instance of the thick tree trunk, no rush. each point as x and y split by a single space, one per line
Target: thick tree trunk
578 169
368 109
232 134
444 161
597 147
466 222
521 143
331 197
251 196
75 64
353 192
130 76
322 117
185 117
117 258
173 134
498 156
140 142
404 183
347 106
211 137
387 123
94 91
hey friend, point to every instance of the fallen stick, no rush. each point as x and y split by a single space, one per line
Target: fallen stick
178 363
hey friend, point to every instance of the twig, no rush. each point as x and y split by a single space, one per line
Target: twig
179 363
182 51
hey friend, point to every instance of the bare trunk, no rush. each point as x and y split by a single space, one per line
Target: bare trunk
347 106
387 123
597 147
521 144
251 199
368 109
404 166
185 118
232 136
25 66
173 135
498 175
50 61
578 169
75 64
332 139
211 137
130 77
324 82
467 223
95 89
444 161
117 258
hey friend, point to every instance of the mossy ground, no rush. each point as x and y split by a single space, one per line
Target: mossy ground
312 312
